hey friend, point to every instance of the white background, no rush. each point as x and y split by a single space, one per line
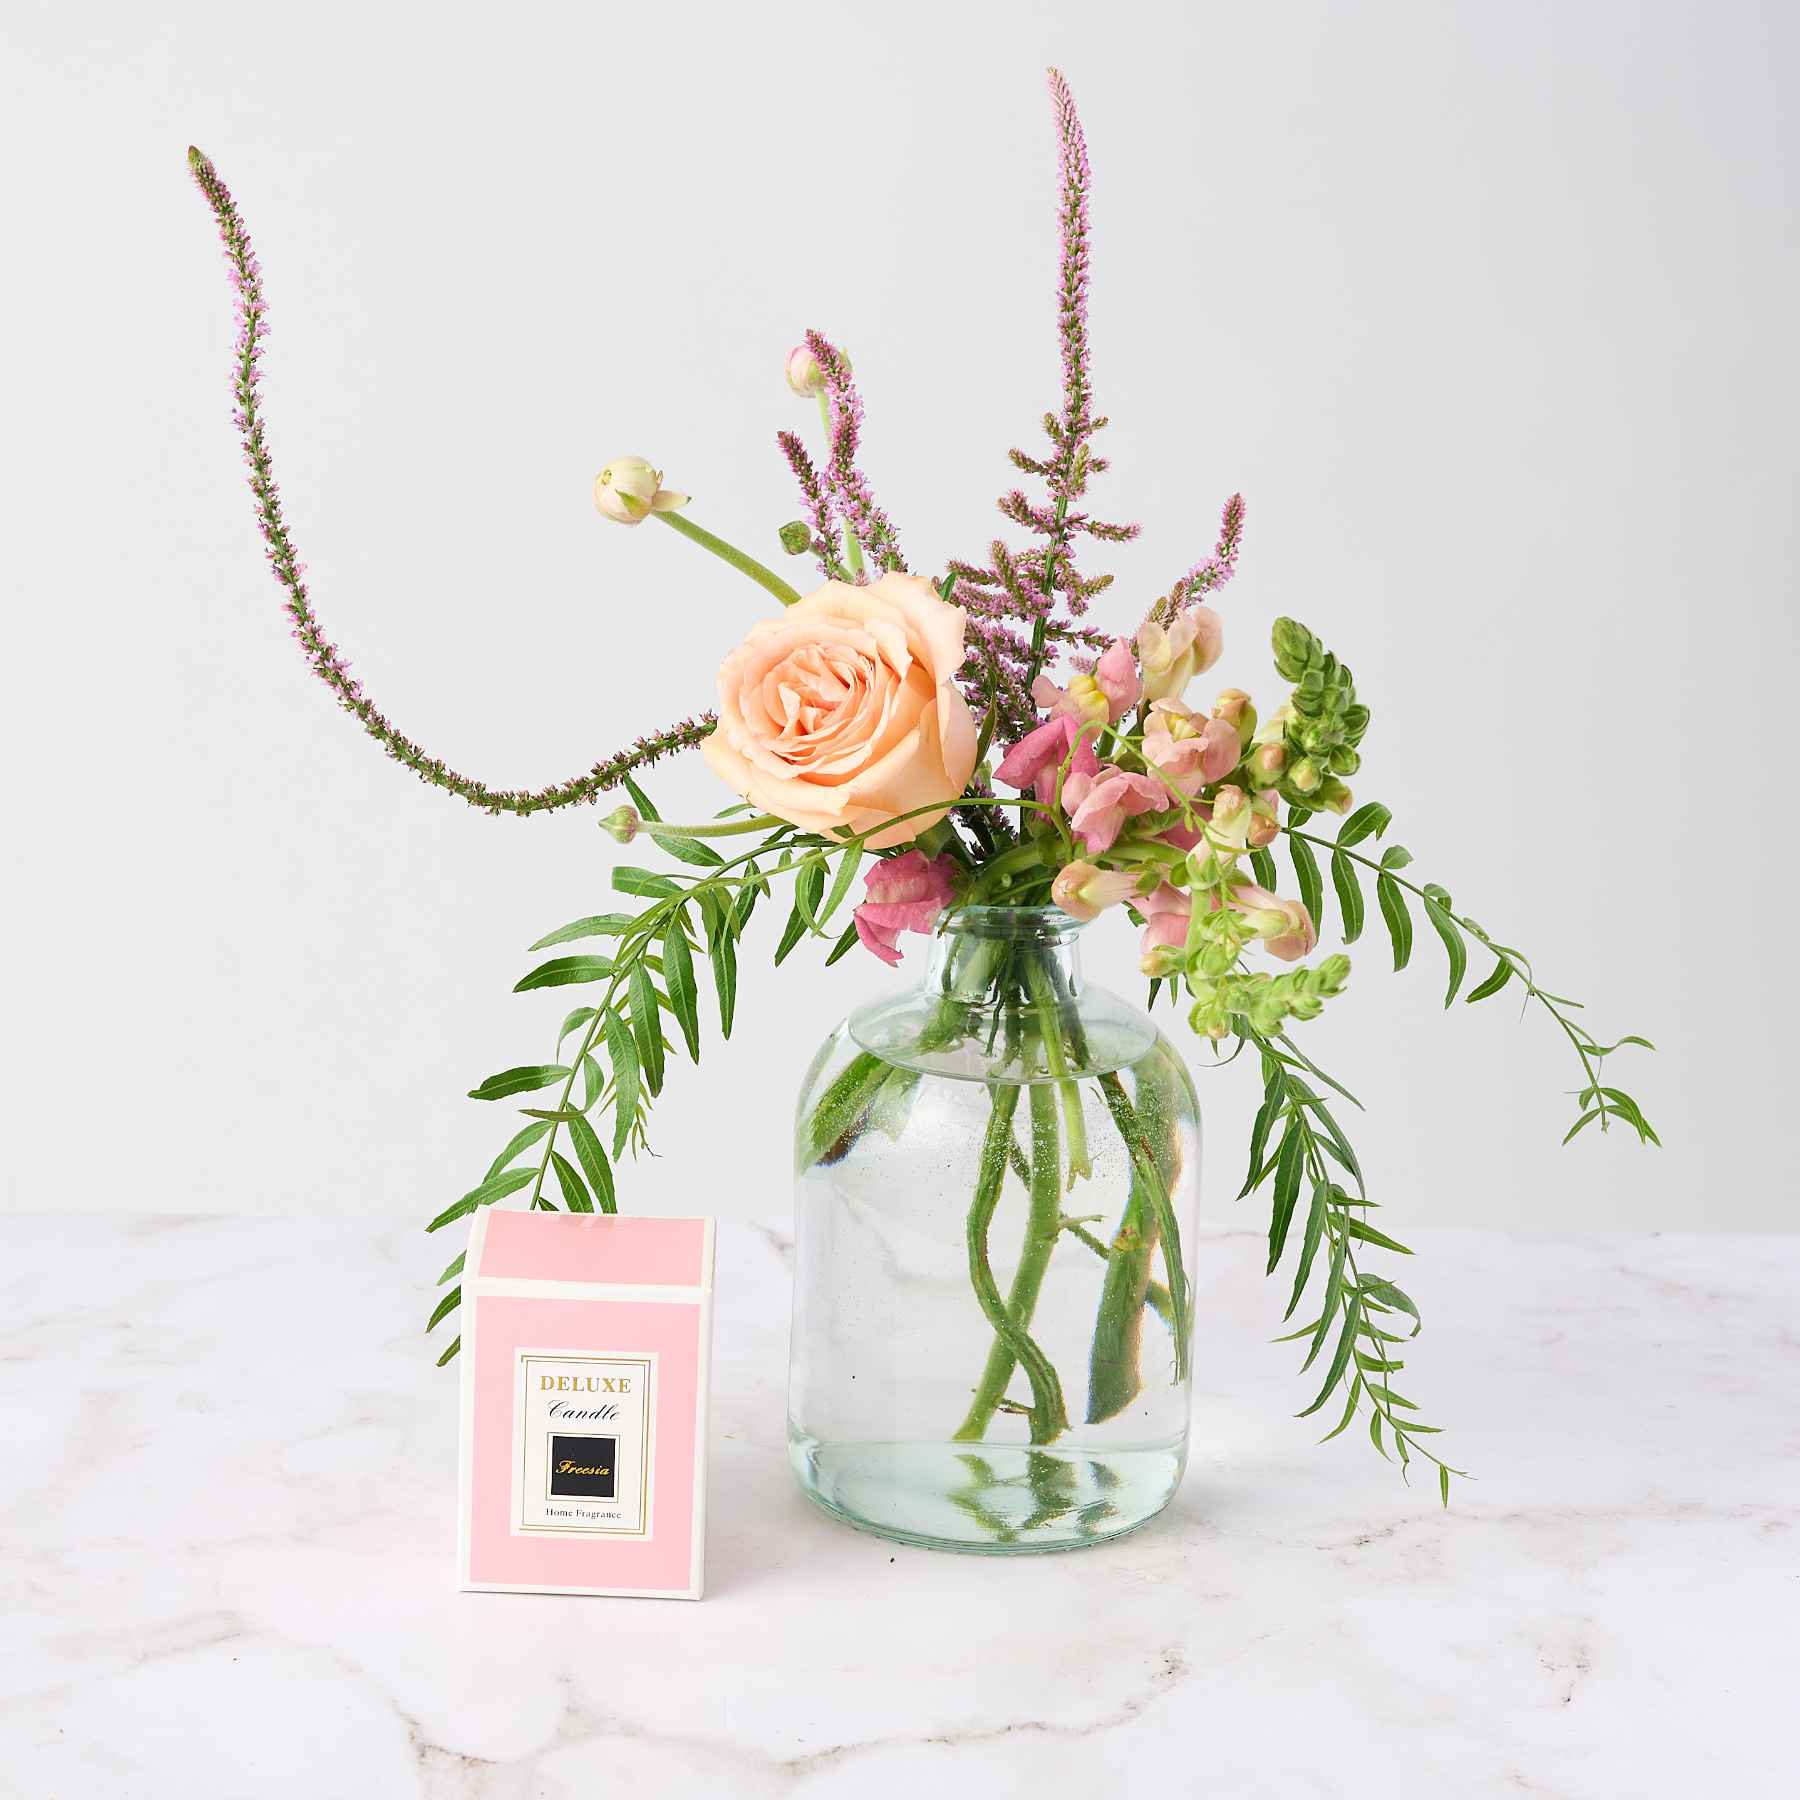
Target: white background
1488 310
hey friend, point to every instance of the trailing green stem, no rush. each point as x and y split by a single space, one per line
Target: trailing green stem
744 564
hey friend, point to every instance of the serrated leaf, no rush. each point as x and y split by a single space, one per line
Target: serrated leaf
1502 974
590 1153
629 879
1287 1189
646 1027
691 850
1349 895
595 925
520 1140
641 801
526 1079
622 1052
848 864
496 1187
678 975
565 971
1392 901
1454 947
722 954
1306 873
575 1196
1369 820
1309 1247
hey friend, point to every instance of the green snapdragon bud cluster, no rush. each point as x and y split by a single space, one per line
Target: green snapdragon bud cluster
1323 722
1265 1002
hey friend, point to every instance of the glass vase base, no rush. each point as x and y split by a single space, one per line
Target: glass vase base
987 1499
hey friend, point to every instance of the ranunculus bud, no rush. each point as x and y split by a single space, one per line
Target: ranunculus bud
629 490
621 824
804 375
796 537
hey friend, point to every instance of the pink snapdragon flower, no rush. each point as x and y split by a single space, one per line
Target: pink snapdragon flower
1084 892
1103 697
1033 762
1188 751
1099 804
905 893
1166 915
1285 926
1172 655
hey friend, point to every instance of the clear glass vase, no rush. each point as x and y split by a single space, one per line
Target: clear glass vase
996 1177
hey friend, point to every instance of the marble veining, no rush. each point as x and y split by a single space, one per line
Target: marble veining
227 1523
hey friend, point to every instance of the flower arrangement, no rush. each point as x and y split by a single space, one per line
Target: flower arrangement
969 739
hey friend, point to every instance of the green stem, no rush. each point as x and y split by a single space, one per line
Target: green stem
1056 1063
1013 1343
1162 1208
657 829
745 565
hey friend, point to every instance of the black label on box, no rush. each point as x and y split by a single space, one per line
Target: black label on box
584 1466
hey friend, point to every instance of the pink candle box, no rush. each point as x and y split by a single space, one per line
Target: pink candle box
586 1348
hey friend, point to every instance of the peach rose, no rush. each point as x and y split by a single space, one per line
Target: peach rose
843 713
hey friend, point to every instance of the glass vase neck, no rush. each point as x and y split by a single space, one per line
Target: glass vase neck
996 955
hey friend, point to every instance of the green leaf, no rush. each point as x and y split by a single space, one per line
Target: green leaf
1396 856
689 850
496 1187
678 973
721 952
1444 1484
1495 982
807 885
455 1345
1309 1248
593 1083
1360 1228
1392 901
1287 1189
575 1196
1273 1098
1370 820
1340 1357
1334 1290
641 801
646 882
1384 1293
848 864
455 1267
577 1018
646 1027
592 1157
565 971
1349 895
520 1140
524 1080
846 943
1262 866
444 1308
1306 872
596 925
623 1054
1343 1424
1454 946
1587 1118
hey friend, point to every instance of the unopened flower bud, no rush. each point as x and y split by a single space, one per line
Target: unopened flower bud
1343 760
796 537
1294 646
1265 819
1304 776
629 490
804 375
1084 891
1268 760
621 825
1334 796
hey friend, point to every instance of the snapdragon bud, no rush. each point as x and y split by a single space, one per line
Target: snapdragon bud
629 490
1268 760
796 537
1295 648
621 825
1304 777
1334 796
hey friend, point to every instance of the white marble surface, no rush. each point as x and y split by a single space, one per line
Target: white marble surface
226 1529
